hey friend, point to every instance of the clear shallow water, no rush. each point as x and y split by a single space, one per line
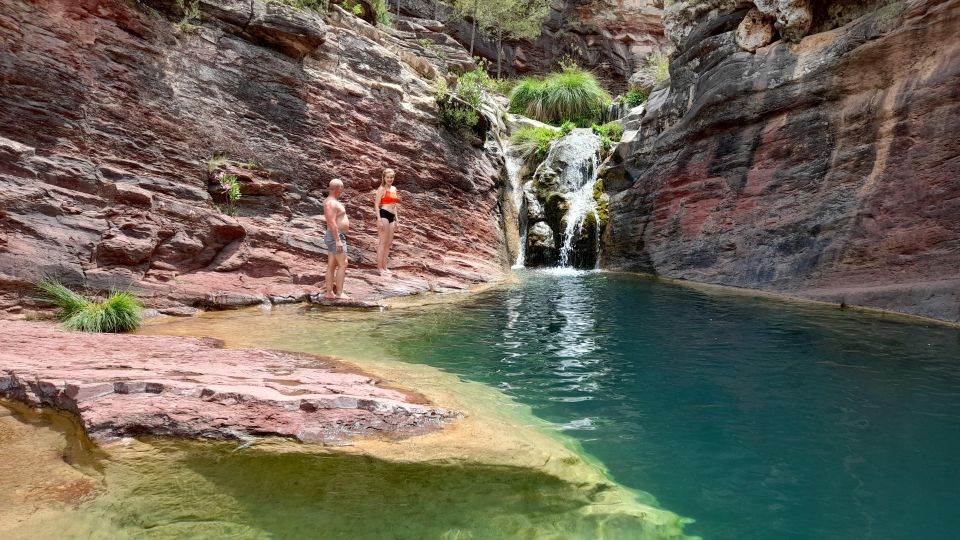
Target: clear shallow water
759 419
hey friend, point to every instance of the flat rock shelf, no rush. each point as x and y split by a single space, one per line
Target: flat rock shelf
125 385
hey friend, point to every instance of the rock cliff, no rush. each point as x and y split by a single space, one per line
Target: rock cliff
609 37
825 164
114 112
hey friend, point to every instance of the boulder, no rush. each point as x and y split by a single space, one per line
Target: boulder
755 31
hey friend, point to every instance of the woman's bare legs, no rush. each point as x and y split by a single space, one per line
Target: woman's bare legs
381 236
383 230
391 227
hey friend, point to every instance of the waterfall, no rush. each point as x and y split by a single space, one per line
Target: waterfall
514 163
582 204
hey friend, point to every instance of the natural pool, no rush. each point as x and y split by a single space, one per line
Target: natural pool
759 419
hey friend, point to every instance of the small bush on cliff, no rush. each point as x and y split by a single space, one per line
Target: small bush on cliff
191 13
609 133
231 190
120 312
460 106
634 98
535 140
568 95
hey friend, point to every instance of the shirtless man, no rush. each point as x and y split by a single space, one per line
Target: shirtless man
336 240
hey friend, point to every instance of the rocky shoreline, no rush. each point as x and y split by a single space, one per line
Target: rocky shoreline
129 385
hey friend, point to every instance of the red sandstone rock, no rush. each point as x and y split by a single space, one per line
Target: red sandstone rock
123 385
109 113
827 169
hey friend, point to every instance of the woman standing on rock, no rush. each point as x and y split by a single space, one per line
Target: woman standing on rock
385 205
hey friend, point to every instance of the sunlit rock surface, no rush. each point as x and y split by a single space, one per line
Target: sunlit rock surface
110 111
150 385
826 169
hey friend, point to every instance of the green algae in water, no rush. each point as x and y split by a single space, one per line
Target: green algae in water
763 420
173 489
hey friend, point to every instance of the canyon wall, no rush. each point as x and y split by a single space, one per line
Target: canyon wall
609 37
825 164
113 113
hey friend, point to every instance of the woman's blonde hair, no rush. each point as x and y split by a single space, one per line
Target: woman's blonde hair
383 179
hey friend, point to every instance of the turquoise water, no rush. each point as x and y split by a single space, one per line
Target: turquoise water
760 419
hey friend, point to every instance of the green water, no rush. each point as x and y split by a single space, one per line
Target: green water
759 419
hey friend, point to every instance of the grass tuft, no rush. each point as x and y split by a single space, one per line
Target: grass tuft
569 95
120 312
534 140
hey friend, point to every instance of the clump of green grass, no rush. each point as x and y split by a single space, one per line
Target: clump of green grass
120 312
191 14
609 133
634 98
569 95
535 140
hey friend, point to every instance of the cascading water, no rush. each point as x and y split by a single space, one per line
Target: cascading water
514 163
582 204
561 201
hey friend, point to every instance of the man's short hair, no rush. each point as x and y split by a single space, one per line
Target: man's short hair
336 184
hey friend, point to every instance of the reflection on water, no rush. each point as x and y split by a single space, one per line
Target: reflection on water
763 420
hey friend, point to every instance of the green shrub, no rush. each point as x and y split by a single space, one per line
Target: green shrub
460 106
524 93
191 13
231 189
535 140
120 312
611 130
634 98
568 95
567 127
609 133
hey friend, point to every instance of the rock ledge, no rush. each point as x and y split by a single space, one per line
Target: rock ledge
122 385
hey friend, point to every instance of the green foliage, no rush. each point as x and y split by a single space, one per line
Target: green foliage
58 293
524 93
609 133
535 140
569 95
460 106
567 127
120 312
383 12
634 98
612 130
231 189
316 5
191 13
216 161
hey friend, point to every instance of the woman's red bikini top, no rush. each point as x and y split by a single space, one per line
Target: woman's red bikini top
389 197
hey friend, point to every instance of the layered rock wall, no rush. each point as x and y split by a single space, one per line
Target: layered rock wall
612 38
827 167
110 113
